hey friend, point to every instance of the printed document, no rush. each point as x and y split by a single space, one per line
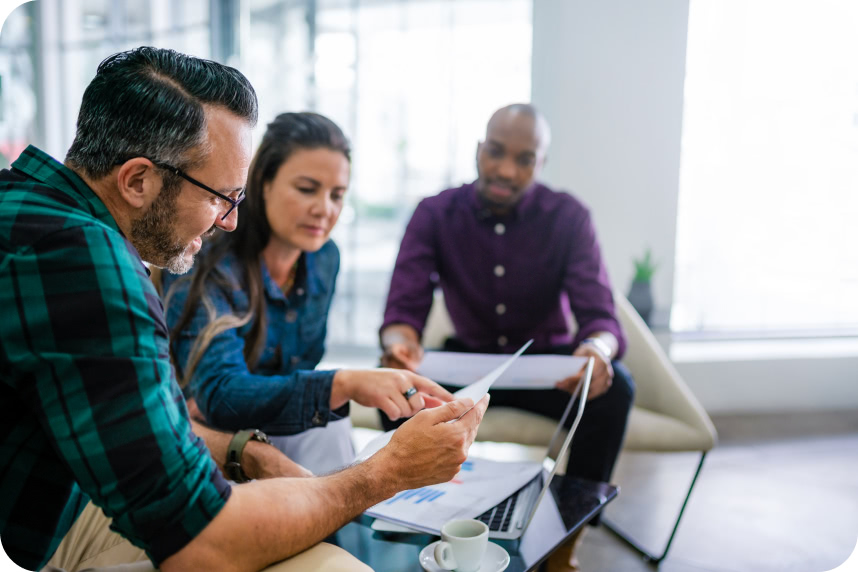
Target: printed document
528 372
475 391
479 486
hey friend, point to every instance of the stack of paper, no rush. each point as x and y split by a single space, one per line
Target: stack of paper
479 486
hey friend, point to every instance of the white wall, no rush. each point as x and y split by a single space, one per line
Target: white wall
802 383
609 75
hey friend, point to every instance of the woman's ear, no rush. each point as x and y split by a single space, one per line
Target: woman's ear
138 183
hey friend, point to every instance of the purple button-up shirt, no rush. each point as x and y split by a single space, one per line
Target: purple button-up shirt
506 279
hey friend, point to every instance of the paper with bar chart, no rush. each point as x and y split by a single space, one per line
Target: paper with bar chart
474 490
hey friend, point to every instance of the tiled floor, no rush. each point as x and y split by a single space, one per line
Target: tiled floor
779 493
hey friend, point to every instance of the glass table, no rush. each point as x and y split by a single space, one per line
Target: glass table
554 522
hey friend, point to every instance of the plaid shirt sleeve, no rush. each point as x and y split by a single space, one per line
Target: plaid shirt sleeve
84 338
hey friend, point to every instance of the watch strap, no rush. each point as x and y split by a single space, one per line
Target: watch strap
601 346
236 447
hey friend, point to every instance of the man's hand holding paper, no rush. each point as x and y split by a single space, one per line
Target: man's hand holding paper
427 449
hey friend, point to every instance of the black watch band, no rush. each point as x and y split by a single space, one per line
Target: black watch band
233 469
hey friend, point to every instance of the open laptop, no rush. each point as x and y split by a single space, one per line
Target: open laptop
510 518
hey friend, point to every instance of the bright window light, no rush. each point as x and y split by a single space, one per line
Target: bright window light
767 237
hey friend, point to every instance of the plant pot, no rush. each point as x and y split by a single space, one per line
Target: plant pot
640 297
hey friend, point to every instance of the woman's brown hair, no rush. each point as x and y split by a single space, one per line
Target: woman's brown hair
288 133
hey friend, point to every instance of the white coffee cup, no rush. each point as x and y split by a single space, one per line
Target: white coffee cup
463 543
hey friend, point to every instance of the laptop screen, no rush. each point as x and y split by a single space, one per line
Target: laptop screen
580 397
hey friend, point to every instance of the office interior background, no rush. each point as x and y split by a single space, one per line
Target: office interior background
720 135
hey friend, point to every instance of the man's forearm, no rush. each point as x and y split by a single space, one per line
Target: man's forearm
258 460
217 442
266 521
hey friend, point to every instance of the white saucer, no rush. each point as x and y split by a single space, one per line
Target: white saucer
494 560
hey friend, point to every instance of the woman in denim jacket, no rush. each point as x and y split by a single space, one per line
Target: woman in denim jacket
248 323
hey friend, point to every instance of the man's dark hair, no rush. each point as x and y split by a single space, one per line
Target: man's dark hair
148 102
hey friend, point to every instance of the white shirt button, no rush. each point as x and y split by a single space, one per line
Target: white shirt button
299 291
500 309
291 316
500 228
499 270
295 360
502 341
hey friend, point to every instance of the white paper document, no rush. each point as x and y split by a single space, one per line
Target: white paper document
528 372
479 388
475 391
479 486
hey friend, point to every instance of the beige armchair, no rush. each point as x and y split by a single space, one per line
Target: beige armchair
666 416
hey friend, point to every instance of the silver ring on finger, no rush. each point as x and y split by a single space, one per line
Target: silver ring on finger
412 391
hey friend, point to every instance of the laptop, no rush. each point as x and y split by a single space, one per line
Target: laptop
511 517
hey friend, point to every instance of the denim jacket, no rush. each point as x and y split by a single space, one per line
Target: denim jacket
282 394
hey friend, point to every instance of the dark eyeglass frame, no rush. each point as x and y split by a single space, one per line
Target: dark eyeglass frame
176 171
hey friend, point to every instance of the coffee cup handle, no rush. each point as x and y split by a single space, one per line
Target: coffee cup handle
444 556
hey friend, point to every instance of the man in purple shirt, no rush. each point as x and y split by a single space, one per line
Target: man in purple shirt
516 260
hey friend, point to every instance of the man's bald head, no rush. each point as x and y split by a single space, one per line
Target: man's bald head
528 117
508 161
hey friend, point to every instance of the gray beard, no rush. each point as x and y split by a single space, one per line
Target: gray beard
154 237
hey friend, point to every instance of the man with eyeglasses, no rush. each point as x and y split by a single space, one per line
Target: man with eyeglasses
89 405
512 257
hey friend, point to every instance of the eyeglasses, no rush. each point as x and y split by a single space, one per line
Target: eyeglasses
176 171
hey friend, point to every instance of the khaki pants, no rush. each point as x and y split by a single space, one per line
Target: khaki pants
90 545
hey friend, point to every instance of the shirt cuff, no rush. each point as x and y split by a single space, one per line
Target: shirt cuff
201 503
602 325
317 399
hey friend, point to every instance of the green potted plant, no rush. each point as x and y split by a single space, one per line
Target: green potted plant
640 294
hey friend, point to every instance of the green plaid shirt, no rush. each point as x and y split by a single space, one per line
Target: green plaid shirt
89 405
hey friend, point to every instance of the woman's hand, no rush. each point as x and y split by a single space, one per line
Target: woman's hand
386 389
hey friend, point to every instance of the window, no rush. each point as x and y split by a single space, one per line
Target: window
17 85
411 82
767 240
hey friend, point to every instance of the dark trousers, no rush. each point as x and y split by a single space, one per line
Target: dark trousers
599 438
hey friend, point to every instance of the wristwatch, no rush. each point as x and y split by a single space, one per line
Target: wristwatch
232 466
601 346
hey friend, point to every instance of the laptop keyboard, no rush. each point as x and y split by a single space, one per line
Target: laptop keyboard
499 516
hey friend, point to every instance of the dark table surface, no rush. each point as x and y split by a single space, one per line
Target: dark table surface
555 520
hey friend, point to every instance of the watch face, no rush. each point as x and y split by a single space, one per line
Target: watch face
260 436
